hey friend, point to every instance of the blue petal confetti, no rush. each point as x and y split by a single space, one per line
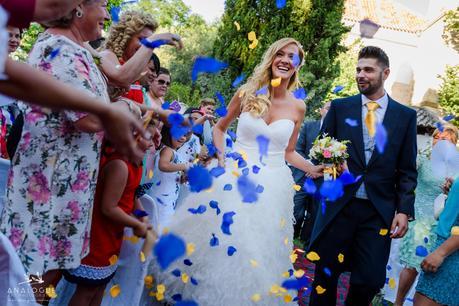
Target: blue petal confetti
259 189
220 98
448 118
214 205
198 211
227 220
178 131
153 44
388 268
337 89
347 178
168 249
426 240
211 149
53 54
241 163
214 241
247 189
229 143
332 190
186 303
228 187
199 178
280 4
177 297
309 187
238 80
175 119
439 126
255 169
327 271
221 111
351 122
187 262
231 134
193 281
166 105
176 273
198 129
138 213
296 284
300 93
206 65
262 91
296 60
380 138
421 251
217 171
115 14
263 144
245 171
231 250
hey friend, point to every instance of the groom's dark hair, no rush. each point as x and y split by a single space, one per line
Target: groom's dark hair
377 53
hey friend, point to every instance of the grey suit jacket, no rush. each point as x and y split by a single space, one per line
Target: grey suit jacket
308 134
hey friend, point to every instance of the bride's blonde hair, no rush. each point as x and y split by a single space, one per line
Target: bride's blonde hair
262 75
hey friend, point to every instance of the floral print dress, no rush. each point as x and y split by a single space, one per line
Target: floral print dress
52 182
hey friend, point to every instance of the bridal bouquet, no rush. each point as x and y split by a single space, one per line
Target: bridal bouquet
330 152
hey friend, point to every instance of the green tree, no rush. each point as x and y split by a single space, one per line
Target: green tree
316 24
449 92
451 29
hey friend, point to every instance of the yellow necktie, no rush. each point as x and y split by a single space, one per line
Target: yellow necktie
370 119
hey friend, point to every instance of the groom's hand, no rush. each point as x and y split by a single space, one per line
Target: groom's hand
399 226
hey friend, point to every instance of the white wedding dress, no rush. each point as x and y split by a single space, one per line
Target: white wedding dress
261 233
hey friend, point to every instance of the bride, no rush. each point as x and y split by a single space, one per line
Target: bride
244 263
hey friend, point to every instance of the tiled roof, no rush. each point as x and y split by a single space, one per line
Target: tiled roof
386 13
427 117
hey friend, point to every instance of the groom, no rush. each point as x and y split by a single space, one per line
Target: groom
354 233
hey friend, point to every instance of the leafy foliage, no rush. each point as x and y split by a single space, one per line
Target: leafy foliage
451 29
449 92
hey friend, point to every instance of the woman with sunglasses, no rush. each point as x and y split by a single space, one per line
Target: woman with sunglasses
159 86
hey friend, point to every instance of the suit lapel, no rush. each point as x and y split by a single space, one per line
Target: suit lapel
390 123
357 132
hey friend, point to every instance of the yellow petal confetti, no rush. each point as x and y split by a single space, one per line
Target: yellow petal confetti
142 256
254 263
238 26
190 248
297 187
282 289
209 190
282 223
150 174
340 258
148 281
254 44
113 260
115 291
165 231
274 289
256 297
286 241
287 298
236 174
392 283
243 154
383 231
159 296
51 292
293 257
455 231
252 36
320 290
298 273
276 82
185 278
286 274
161 288
313 256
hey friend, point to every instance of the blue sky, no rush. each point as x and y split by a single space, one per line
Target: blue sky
209 9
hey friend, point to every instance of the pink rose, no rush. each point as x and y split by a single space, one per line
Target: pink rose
43 245
75 209
81 183
38 188
16 237
327 154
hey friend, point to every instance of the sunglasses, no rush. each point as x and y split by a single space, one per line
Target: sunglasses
162 82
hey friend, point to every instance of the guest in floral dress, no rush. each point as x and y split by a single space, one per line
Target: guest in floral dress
51 186
421 232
